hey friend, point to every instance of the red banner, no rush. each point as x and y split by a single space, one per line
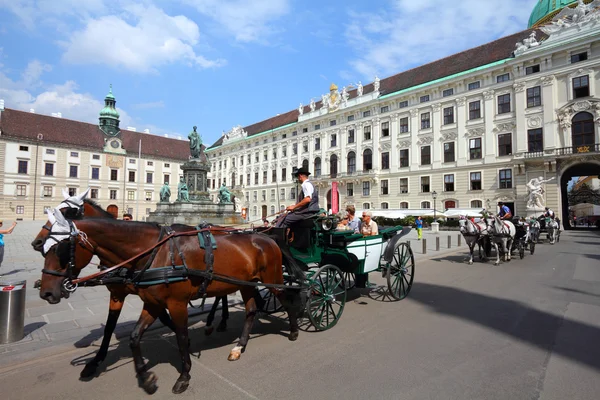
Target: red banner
335 198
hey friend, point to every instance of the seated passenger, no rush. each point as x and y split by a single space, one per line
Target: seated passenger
368 226
343 224
307 205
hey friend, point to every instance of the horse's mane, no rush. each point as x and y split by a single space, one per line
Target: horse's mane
97 207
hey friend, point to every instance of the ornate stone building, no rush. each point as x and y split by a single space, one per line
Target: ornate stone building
41 155
474 127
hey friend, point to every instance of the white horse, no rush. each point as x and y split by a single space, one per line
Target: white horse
474 233
553 230
501 232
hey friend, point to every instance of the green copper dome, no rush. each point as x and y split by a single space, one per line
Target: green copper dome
109 116
545 10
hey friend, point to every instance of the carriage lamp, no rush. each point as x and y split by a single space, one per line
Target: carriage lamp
434 195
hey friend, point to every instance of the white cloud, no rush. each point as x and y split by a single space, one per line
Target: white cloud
246 20
152 104
154 39
410 33
31 12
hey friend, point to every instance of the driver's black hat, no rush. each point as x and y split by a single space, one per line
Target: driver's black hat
301 171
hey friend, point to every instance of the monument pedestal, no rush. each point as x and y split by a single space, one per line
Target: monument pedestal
195 212
534 212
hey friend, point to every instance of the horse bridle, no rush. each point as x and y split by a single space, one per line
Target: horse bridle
67 284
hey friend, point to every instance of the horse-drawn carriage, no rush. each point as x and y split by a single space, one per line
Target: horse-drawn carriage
169 266
332 258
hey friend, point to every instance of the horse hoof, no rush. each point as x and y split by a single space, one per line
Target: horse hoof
89 370
293 336
234 355
208 330
149 380
470 262
181 385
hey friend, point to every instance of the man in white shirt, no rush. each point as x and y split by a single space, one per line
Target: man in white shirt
307 205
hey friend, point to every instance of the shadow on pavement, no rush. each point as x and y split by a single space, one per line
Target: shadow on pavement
566 289
515 319
265 325
34 326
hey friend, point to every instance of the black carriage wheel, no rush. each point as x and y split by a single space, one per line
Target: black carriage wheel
531 248
271 303
349 280
401 271
326 297
521 249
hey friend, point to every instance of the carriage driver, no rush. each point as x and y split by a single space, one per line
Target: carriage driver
504 211
307 205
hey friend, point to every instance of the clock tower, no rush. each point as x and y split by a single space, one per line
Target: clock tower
109 125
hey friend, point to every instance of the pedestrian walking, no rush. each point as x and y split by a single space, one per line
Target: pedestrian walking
419 225
2 233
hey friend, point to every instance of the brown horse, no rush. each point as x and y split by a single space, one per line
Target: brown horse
76 207
244 257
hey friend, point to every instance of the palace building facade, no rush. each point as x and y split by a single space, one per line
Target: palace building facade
474 128
42 155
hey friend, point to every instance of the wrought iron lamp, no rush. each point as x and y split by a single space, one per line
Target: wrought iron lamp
434 195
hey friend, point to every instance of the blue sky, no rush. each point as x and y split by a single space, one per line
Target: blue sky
216 64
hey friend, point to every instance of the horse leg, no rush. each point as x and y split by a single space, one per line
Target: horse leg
250 303
292 303
224 315
208 329
471 250
115 306
497 253
179 315
146 379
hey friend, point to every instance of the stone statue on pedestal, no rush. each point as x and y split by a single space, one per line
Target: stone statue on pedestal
165 193
535 198
183 194
195 143
224 194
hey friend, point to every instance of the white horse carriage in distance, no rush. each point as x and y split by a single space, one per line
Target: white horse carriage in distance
486 232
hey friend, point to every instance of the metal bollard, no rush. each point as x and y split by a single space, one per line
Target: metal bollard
437 243
12 311
459 238
449 241
424 246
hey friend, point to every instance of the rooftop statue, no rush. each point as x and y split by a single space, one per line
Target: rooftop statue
301 109
224 194
376 84
312 105
183 194
165 193
535 198
195 143
359 89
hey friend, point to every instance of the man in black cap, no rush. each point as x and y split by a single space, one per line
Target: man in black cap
307 205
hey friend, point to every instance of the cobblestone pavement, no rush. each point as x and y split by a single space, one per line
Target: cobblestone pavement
81 318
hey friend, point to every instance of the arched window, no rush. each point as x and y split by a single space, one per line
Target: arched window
404 205
272 210
366 206
385 206
582 129
351 162
282 207
305 164
425 204
450 204
476 204
333 165
367 160
317 167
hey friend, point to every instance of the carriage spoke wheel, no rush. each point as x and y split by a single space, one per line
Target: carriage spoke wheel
326 297
270 303
349 280
521 249
532 247
401 271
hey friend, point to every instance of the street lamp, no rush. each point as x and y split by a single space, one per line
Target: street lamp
434 195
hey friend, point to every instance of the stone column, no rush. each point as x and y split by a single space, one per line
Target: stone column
358 135
436 124
376 134
414 153
394 152
520 104
551 131
489 139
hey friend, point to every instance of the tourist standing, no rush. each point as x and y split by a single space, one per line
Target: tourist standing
419 225
2 233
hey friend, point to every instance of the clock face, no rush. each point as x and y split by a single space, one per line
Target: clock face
114 144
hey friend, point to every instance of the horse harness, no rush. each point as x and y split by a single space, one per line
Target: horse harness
120 274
